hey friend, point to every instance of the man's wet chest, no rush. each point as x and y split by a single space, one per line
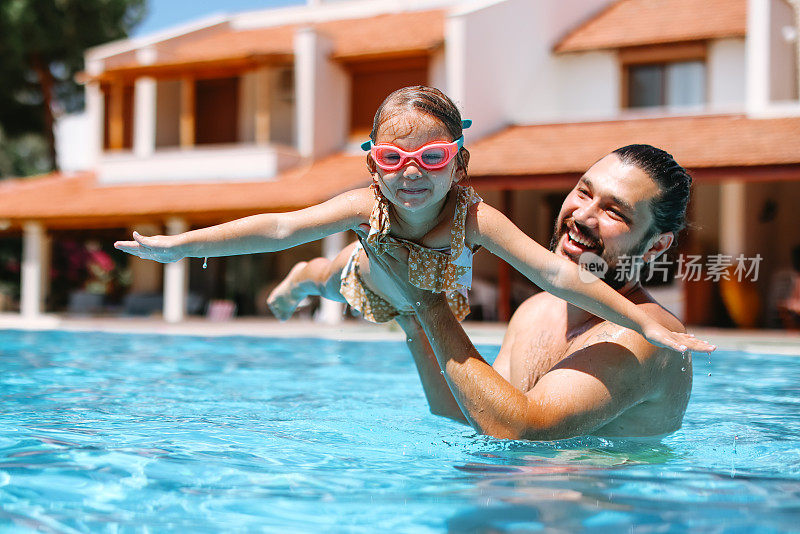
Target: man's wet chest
536 351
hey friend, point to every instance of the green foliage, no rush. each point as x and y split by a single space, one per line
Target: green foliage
41 50
23 155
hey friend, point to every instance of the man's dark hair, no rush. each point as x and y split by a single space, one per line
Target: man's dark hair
669 207
796 258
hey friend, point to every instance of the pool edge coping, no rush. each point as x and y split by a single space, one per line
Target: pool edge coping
750 341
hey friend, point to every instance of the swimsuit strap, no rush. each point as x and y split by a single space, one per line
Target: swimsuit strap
379 225
467 197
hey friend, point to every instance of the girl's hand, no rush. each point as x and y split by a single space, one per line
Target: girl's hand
663 337
160 248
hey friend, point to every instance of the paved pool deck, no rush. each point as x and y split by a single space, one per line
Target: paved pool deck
752 341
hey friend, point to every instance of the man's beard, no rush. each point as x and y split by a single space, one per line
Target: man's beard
619 273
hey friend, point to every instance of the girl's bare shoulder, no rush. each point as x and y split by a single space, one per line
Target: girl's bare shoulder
359 201
480 216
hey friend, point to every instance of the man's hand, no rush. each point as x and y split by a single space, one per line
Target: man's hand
394 264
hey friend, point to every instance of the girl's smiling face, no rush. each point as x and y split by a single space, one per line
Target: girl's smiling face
412 187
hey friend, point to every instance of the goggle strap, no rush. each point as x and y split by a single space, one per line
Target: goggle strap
366 146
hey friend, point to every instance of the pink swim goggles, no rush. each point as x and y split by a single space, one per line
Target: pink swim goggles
431 157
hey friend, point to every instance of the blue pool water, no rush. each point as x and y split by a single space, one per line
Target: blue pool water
122 433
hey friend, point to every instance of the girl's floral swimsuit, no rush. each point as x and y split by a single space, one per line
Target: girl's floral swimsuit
447 270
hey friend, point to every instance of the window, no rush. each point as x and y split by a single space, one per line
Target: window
677 84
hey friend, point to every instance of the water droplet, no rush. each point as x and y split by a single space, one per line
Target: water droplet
709 374
409 340
683 368
419 304
205 263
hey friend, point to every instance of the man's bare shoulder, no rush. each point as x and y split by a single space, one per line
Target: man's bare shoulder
608 331
602 336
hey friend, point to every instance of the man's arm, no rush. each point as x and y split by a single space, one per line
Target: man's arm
579 395
440 399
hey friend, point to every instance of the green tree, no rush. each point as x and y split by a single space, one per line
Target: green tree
41 50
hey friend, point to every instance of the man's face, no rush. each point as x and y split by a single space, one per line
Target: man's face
607 213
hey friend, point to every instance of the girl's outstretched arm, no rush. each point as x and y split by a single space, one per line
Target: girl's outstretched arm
267 232
561 277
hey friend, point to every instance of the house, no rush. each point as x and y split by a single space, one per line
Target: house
264 111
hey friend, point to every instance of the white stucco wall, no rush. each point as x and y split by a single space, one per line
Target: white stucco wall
782 52
757 56
480 50
168 112
74 148
539 98
437 71
726 75
512 41
322 88
588 87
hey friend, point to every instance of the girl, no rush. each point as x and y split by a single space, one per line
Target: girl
417 161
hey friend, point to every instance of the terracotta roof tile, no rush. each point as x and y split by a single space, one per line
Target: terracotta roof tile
230 44
704 142
381 34
695 142
80 197
396 32
645 22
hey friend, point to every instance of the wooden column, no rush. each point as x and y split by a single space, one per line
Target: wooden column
263 98
187 121
116 120
504 269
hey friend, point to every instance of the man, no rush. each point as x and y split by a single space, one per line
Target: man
561 371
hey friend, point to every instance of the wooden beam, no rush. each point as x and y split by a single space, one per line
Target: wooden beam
756 173
187 118
263 99
502 182
212 68
664 53
567 180
116 121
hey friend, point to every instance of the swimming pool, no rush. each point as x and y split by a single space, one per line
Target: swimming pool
107 432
